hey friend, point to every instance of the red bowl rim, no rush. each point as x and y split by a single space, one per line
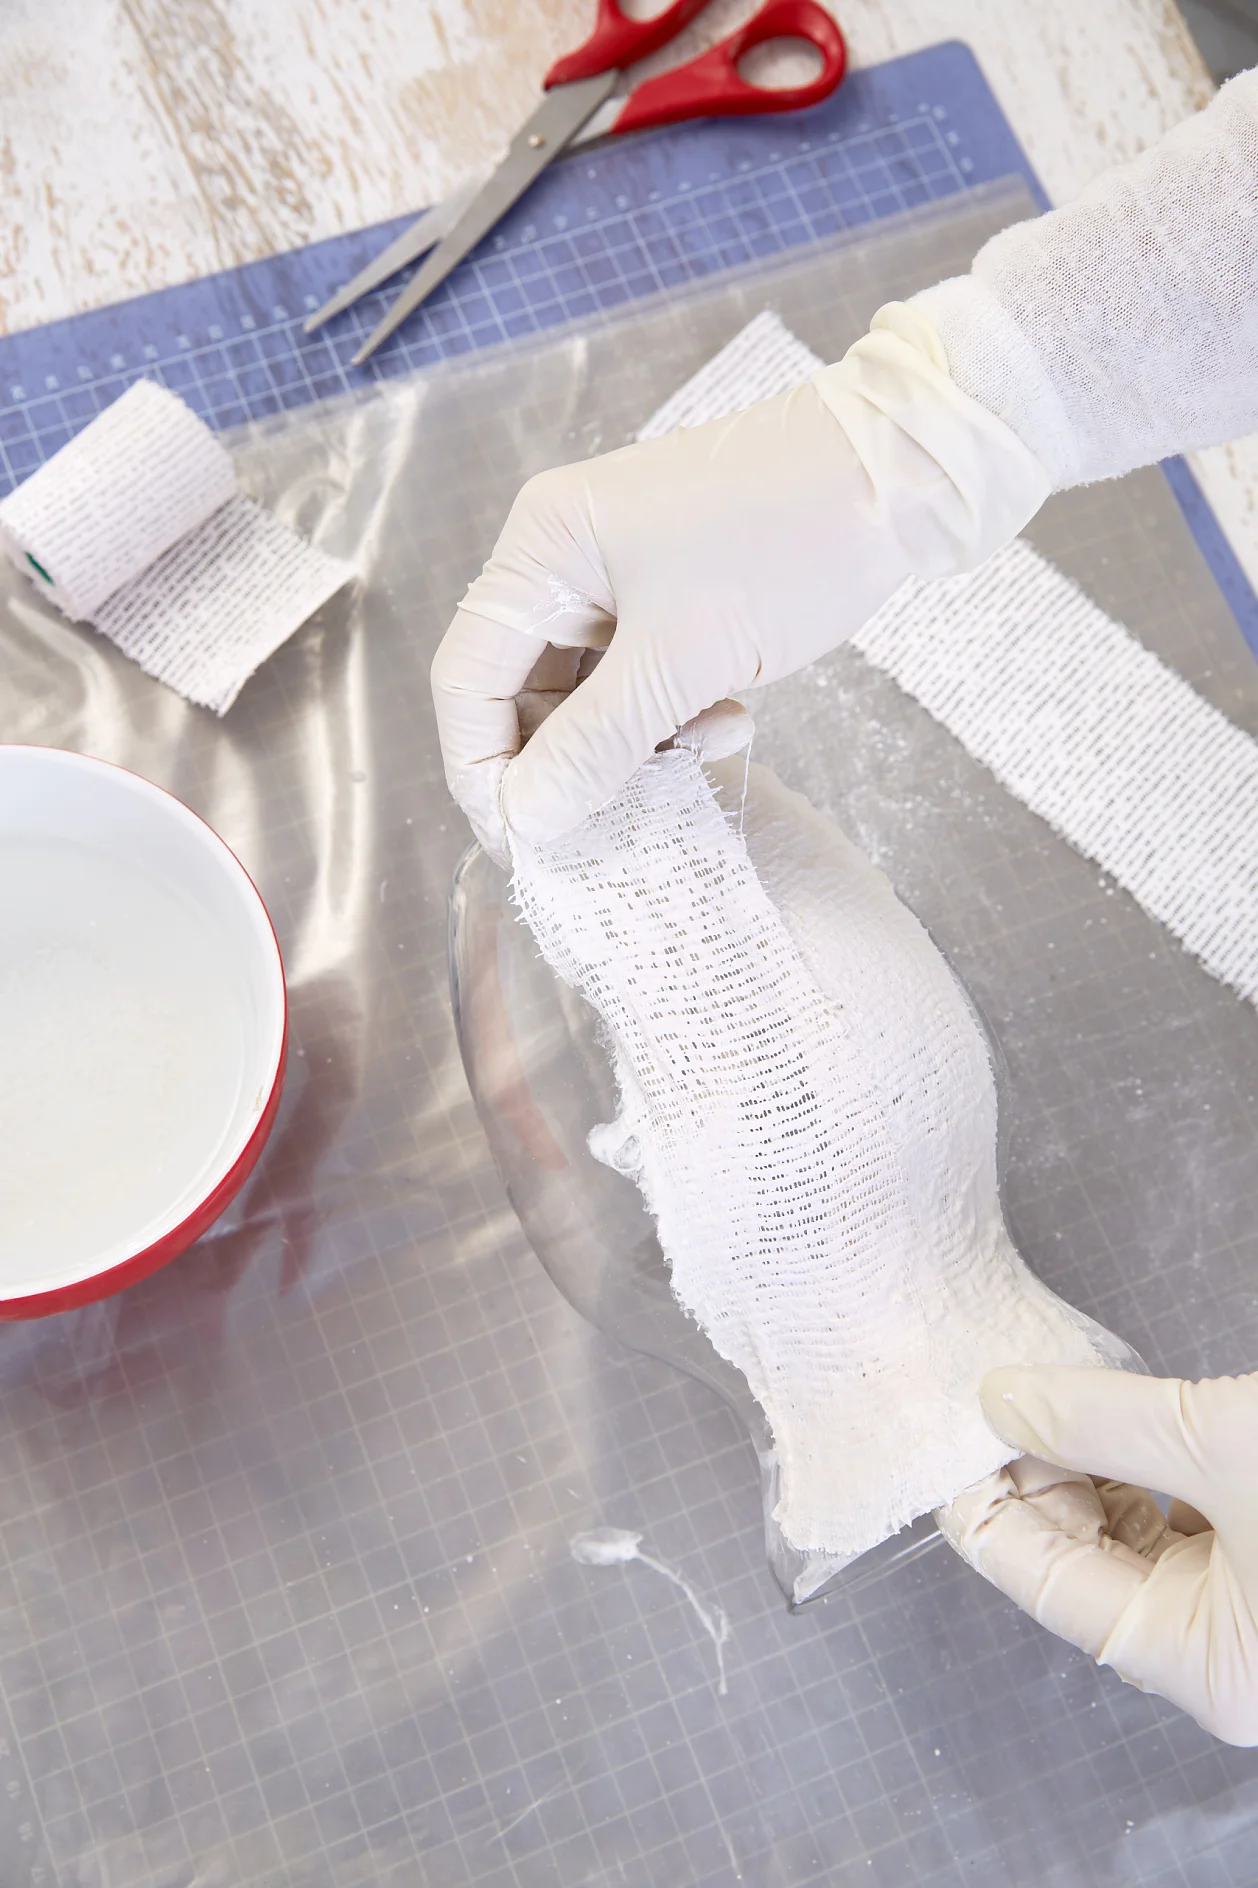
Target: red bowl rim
175 1239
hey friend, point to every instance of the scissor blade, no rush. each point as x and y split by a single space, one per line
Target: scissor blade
561 113
424 233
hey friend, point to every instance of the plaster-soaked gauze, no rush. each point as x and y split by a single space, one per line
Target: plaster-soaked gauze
1069 710
138 527
1091 731
808 1106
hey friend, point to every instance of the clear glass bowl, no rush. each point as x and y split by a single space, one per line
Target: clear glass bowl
541 1080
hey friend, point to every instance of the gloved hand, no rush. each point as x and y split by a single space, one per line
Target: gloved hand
720 557
1170 1602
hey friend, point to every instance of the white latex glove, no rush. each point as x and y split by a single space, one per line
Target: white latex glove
720 557
1170 1603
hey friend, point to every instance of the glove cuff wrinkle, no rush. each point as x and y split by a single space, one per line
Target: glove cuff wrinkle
950 478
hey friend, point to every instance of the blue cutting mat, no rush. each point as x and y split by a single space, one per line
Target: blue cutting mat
623 219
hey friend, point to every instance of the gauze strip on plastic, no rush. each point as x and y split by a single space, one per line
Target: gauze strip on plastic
808 1106
138 527
1091 731
1072 714
763 358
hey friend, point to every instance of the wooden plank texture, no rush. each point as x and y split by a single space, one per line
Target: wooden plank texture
146 142
143 142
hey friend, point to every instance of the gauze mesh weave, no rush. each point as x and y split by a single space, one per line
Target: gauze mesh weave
214 606
1124 326
1091 731
808 1106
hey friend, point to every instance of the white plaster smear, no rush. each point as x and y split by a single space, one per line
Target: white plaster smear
617 1546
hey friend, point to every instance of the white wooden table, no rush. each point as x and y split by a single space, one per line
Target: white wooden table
145 142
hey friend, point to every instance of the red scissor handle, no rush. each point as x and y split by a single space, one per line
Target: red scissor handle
619 41
711 86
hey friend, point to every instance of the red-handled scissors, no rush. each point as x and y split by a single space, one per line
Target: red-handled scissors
578 105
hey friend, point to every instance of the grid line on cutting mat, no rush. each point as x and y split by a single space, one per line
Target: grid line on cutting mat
569 262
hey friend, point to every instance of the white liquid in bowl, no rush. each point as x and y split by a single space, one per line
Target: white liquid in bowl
124 1033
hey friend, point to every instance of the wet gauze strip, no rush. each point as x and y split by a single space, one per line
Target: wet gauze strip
1067 708
138 527
808 1106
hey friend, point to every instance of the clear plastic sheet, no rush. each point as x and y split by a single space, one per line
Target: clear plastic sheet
288 1595
537 1064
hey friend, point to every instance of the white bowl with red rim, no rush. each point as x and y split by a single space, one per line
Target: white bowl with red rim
143 1028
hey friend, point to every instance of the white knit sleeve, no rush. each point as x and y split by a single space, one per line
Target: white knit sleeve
1123 327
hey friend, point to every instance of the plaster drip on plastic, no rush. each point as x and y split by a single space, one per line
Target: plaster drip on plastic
617 1546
